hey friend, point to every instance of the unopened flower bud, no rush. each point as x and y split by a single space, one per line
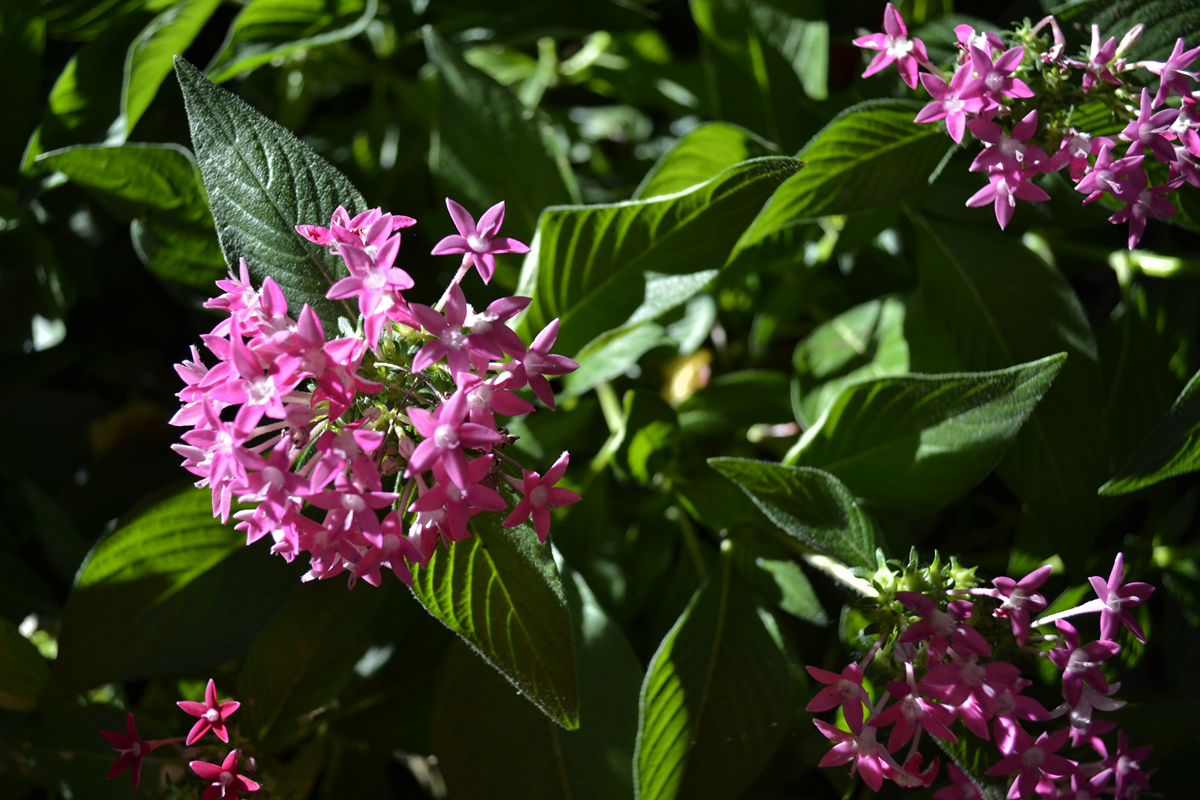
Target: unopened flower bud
1130 38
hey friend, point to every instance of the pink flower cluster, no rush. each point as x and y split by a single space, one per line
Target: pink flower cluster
397 448
981 93
945 674
223 780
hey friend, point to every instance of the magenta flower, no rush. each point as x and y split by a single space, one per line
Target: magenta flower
1091 733
541 496
913 711
943 626
1004 152
1002 192
1080 664
1172 77
1019 599
212 714
485 399
367 229
1034 760
1144 202
1108 175
961 787
1074 151
1148 129
446 433
351 447
488 326
377 285
1126 765
389 549
451 342
845 690
1011 705
1099 57
987 41
865 755
1116 598
531 368
351 506
131 749
1084 788
478 242
996 79
947 103
894 45
910 775
461 503
224 780
973 688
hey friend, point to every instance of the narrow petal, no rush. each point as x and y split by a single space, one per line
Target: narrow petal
462 220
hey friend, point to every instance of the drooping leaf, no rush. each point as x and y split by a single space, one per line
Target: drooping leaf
809 504
170 589
499 591
522 163
491 743
1172 448
716 698
150 57
23 671
262 182
907 445
872 155
269 29
1003 305
589 264
699 156
158 188
303 658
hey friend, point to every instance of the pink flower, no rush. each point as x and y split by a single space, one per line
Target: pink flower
1090 734
1007 153
487 398
1002 192
351 447
131 749
487 325
367 229
1126 765
1033 760
984 40
973 688
845 690
537 362
377 285
1011 705
1074 151
942 626
1117 598
961 787
224 780
947 104
1080 663
389 549
996 79
1145 202
446 434
1099 57
1019 599
352 507
461 503
910 775
1148 129
1172 78
868 756
541 496
450 340
1107 175
212 714
913 711
478 242
894 45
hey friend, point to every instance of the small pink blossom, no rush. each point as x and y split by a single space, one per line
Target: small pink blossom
866 756
1099 57
1004 152
1172 77
366 229
1148 129
461 503
377 284
845 690
1002 192
1033 761
894 45
450 341
1108 175
1019 600
446 433
1117 597
131 750
478 242
224 780
911 711
911 776
947 103
541 496
996 79
212 714
1126 765
531 368
1080 663
1147 201
961 787
987 41
943 627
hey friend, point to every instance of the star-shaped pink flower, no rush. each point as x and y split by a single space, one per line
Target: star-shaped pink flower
1117 599
131 749
479 242
212 714
845 690
224 781
894 45
947 103
541 495
1172 78
1019 599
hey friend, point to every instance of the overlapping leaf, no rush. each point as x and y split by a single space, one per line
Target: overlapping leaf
909 444
1002 305
262 181
499 591
1172 448
270 29
699 156
716 698
809 504
872 155
588 264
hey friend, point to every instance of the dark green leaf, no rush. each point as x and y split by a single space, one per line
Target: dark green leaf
802 40
170 589
489 147
23 671
612 354
262 182
908 445
491 743
1002 305
22 44
499 591
737 400
811 505
1172 448
872 155
589 265
699 156
303 658
1165 21
270 29
651 440
61 541
716 699
150 57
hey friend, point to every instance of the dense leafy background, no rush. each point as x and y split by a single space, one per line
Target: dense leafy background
742 234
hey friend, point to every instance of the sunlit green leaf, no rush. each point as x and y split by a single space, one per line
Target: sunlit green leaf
699 156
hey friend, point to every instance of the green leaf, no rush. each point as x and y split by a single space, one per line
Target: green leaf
158 186
651 441
716 699
803 41
872 155
150 57
1172 448
303 658
808 504
22 46
499 591
1002 305
700 155
589 264
737 400
908 445
269 29
23 671
1165 21
521 163
491 743
169 589
796 594
262 182
63 545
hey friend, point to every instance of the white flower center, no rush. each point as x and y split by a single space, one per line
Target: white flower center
445 437
993 80
453 338
354 503
1033 757
212 715
477 243
898 47
539 496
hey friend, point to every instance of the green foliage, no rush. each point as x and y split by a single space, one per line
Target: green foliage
501 593
23 671
700 155
1171 448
